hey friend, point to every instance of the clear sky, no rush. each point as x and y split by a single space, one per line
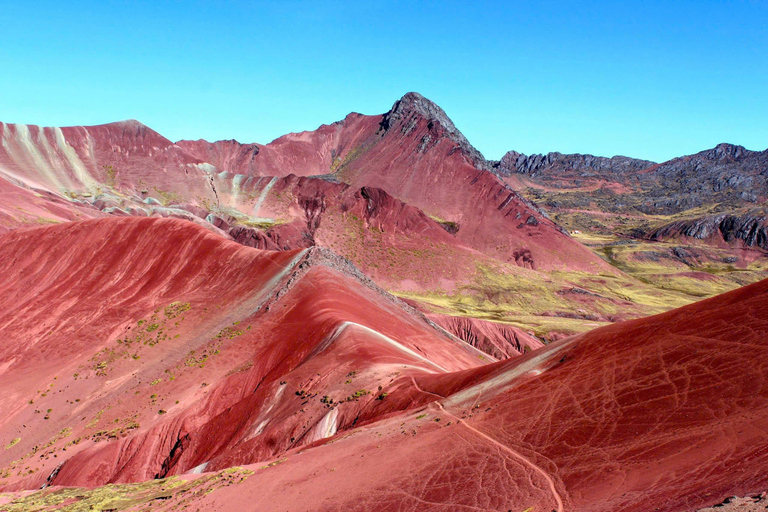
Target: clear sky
645 79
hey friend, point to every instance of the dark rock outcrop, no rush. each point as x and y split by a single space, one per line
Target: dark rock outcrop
555 164
751 228
413 106
727 175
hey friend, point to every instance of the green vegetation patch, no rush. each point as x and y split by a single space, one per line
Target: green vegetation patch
173 492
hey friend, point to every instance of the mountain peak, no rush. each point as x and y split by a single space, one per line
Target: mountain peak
128 123
414 104
726 150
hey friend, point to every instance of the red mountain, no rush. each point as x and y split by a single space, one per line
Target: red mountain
413 152
152 347
138 348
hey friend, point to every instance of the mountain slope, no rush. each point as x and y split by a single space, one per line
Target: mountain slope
403 195
664 413
138 348
418 156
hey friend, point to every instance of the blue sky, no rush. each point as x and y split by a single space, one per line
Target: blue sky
648 79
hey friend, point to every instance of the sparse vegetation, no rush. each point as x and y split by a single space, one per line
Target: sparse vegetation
167 198
173 492
111 173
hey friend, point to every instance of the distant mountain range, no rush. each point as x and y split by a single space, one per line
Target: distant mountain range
727 175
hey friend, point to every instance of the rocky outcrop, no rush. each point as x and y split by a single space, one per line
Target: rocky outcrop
406 113
750 228
556 165
754 503
728 175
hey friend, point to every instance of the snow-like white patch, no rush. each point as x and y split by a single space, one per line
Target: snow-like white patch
326 427
199 469
345 325
265 413
7 364
268 286
25 152
206 168
260 428
113 209
505 380
263 195
77 165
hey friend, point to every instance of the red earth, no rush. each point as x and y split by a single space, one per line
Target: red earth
145 347
413 153
502 341
664 413
141 348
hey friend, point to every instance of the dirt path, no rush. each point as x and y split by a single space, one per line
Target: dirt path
509 450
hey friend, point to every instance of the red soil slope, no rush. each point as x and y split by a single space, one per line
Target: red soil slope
418 156
284 362
666 413
394 243
302 154
21 206
413 152
125 155
137 348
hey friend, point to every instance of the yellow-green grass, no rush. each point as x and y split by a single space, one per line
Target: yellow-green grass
171 492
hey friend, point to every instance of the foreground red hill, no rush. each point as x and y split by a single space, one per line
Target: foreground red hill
138 348
335 397
665 413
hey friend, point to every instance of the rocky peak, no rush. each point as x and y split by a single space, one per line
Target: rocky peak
725 150
414 105
131 125
510 160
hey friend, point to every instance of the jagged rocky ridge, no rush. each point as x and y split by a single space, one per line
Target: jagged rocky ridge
554 163
751 228
727 174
